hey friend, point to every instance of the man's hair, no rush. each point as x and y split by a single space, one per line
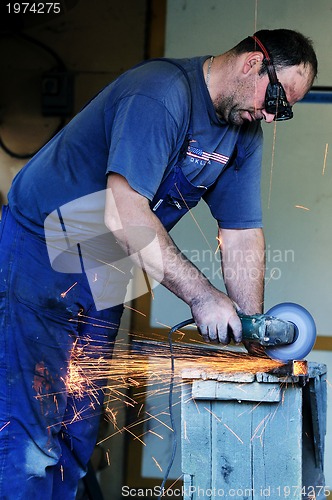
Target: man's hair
285 47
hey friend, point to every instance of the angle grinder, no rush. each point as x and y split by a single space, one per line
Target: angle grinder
287 331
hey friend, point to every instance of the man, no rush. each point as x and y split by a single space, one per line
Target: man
159 138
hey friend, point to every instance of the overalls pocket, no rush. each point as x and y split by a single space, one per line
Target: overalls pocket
175 197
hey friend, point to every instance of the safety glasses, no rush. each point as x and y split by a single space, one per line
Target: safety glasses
275 97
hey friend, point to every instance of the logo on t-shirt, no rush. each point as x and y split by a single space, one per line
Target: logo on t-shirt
198 154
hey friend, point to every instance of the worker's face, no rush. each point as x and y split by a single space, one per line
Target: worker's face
246 101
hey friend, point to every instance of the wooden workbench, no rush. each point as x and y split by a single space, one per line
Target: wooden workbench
253 436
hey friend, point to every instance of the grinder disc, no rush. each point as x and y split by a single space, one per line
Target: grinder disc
305 332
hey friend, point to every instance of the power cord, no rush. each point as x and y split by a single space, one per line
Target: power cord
170 400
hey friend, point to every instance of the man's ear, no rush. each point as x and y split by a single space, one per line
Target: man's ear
253 62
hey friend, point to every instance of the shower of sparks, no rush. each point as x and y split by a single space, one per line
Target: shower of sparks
138 378
325 158
139 368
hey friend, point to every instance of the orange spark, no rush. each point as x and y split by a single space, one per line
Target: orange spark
157 464
262 425
272 163
5 425
158 420
302 207
185 430
219 246
225 425
325 157
155 434
193 217
135 310
63 294
237 437
143 367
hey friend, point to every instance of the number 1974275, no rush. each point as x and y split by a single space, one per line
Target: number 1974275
34 8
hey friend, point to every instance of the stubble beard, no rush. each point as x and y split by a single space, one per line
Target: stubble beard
227 110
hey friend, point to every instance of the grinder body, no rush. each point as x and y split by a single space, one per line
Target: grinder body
287 331
267 330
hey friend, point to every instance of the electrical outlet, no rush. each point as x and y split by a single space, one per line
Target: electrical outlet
57 91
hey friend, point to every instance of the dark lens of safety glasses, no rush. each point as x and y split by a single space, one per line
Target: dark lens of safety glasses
276 102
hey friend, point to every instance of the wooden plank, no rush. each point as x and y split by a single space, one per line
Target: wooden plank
277 446
318 397
231 449
187 486
196 443
314 417
228 391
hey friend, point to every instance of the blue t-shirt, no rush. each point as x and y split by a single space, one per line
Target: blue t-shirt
137 126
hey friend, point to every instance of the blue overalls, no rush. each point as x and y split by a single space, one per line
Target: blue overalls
47 434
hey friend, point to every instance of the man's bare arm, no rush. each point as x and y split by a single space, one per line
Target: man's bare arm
243 265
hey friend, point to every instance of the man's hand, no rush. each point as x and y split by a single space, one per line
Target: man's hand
216 317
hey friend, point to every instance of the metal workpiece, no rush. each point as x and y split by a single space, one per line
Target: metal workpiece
296 372
289 374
